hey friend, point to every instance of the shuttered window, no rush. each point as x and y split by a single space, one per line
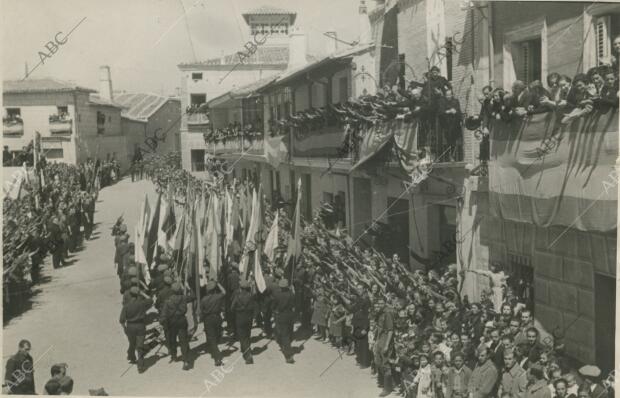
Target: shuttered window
603 39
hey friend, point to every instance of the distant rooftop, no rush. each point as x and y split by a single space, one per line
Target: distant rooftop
141 106
43 85
275 56
94 99
268 10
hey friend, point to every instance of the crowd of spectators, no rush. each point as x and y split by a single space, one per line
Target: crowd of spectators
52 215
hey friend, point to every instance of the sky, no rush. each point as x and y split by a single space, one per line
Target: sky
143 41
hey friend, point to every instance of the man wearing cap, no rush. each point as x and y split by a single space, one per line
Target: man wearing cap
384 345
244 305
131 272
483 377
537 384
163 295
211 307
232 285
133 320
284 310
173 314
266 303
361 325
592 374
122 249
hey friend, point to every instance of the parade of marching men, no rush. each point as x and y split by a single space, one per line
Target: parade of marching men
419 201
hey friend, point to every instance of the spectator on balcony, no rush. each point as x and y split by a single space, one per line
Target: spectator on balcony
609 92
579 96
486 101
450 118
595 81
516 104
538 99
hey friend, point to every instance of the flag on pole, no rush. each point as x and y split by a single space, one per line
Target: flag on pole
294 244
250 243
213 237
152 233
258 238
271 244
229 223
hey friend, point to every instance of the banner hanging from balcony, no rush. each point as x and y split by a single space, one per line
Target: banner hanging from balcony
319 143
547 173
275 151
403 135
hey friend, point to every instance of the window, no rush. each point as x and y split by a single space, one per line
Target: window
528 60
449 47
13 114
100 122
252 111
606 27
196 76
343 86
63 110
198 159
54 153
197 99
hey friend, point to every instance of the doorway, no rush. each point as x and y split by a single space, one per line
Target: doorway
398 222
604 324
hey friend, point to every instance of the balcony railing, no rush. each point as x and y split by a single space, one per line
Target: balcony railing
243 144
12 126
444 141
197 119
60 124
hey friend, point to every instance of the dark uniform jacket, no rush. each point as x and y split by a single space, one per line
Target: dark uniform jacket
243 302
212 304
134 311
174 308
283 302
19 374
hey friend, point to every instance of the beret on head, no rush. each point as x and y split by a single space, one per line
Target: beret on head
283 283
133 271
176 286
167 280
134 290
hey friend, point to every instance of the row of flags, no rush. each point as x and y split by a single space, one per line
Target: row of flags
206 227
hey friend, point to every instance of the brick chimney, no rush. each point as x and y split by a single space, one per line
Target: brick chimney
364 23
297 48
105 83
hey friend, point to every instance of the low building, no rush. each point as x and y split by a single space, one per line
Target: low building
74 123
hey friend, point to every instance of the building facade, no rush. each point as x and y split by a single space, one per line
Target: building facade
462 212
273 43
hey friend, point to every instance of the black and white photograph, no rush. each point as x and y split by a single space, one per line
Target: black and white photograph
326 198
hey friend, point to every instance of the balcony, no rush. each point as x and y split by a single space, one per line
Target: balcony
60 124
13 126
233 141
197 119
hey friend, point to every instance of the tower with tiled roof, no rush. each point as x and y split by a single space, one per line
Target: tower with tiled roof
271 22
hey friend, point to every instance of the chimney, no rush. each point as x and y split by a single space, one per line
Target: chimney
332 43
364 23
105 83
297 48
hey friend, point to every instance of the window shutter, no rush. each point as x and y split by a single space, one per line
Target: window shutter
525 62
603 42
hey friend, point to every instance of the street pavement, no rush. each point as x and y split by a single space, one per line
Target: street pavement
74 319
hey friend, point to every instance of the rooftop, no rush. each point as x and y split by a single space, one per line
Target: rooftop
43 85
140 106
244 91
269 10
262 56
